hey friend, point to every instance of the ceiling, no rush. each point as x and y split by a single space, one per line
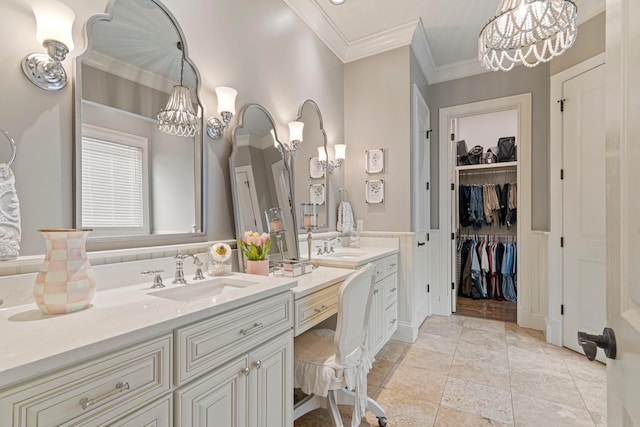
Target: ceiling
443 33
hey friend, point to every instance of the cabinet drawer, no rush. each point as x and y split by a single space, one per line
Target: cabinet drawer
207 344
390 264
390 290
391 320
94 392
157 414
379 268
316 307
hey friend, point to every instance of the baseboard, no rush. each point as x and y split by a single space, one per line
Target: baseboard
406 333
554 332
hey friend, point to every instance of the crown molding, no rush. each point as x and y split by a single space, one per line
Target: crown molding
381 42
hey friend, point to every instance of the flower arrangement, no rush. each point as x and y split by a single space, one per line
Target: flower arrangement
255 246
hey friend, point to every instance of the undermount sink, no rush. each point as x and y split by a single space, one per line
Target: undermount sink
197 291
343 254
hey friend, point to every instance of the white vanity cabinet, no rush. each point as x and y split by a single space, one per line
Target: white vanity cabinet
97 392
254 387
384 308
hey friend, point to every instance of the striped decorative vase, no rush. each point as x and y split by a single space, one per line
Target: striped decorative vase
66 282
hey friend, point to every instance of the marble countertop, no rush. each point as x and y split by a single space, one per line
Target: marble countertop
318 279
352 257
32 343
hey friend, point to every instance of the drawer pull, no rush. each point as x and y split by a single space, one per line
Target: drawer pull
254 328
85 402
375 292
393 265
257 364
245 371
394 289
320 309
393 321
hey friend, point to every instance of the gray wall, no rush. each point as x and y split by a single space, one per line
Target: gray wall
261 48
590 42
377 115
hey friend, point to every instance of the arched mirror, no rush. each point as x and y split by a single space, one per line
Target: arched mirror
261 182
311 177
134 177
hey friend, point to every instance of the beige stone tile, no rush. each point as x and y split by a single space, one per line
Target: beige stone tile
379 371
427 360
525 340
437 343
533 363
591 380
403 410
487 325
513 328
489 402
553 387
563 352
471 352
481 372
482 338
420 384
529 411
443 329
599 418
392 351
449 417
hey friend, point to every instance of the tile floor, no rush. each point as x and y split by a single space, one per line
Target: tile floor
465 371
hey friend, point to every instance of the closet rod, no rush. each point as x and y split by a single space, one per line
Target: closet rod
489 237
487 172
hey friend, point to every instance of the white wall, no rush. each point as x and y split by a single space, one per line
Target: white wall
261 48
486 129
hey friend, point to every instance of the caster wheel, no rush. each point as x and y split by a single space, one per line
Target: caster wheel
382 421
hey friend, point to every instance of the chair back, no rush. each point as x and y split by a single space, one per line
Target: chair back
354 309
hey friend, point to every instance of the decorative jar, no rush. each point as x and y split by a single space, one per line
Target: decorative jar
219 260
66 282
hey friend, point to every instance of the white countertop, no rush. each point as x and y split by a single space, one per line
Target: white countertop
32 343
319 278
352 257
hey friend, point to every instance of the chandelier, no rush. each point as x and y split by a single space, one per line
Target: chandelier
527 32
178 117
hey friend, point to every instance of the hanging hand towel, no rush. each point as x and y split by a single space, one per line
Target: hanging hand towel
10 232
345 217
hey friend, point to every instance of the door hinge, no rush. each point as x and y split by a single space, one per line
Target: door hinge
453 136
453 236
562 242
427 133
562 309
561 102
426 185
561 173
428 237
453 186
453 286
428 288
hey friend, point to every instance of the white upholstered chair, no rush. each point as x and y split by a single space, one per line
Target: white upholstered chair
331 366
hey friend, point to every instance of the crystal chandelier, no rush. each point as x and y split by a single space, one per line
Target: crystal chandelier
527 32
178 117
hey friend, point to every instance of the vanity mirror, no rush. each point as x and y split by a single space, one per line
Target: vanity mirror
133 180
310 176
261 182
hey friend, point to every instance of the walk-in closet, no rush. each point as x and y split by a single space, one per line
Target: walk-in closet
485 214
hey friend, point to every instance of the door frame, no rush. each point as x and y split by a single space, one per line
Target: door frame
441 302
555 324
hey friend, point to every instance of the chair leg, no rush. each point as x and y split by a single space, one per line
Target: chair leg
347 397
333 408
307 405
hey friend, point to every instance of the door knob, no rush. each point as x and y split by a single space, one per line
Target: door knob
590 343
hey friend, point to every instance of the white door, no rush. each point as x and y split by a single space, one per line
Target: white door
623 208
421 215
583 140
248 200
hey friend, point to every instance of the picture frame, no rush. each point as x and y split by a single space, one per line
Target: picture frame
316 194
316 170
374 191
374 160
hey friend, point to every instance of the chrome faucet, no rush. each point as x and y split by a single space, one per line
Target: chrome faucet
198 274
179 276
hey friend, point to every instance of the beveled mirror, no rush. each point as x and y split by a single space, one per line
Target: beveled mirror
261 181
132 180
311 181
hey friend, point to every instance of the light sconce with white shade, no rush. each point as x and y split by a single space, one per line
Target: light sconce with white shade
527 32
340 154
54 22
226 109
295 138
178 116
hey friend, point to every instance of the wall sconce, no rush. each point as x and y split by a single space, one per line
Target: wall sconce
295 138
340 152
54 22
226 109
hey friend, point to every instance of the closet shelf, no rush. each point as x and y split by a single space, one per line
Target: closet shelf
503 165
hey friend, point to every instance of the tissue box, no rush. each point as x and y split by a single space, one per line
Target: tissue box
292 268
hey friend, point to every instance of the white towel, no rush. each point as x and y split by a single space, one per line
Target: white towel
10 232
345 217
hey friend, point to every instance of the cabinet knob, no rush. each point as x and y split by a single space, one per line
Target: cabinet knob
257 364
245 371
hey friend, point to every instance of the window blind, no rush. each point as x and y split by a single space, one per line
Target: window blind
112 184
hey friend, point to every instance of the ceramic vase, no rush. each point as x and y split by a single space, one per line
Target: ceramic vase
66 282
258 267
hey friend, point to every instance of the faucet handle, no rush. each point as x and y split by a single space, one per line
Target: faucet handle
157 280
198 275
181 256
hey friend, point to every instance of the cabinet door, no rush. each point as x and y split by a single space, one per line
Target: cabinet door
271 383
218 399
375 337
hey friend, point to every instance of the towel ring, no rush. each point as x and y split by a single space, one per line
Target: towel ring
13 146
